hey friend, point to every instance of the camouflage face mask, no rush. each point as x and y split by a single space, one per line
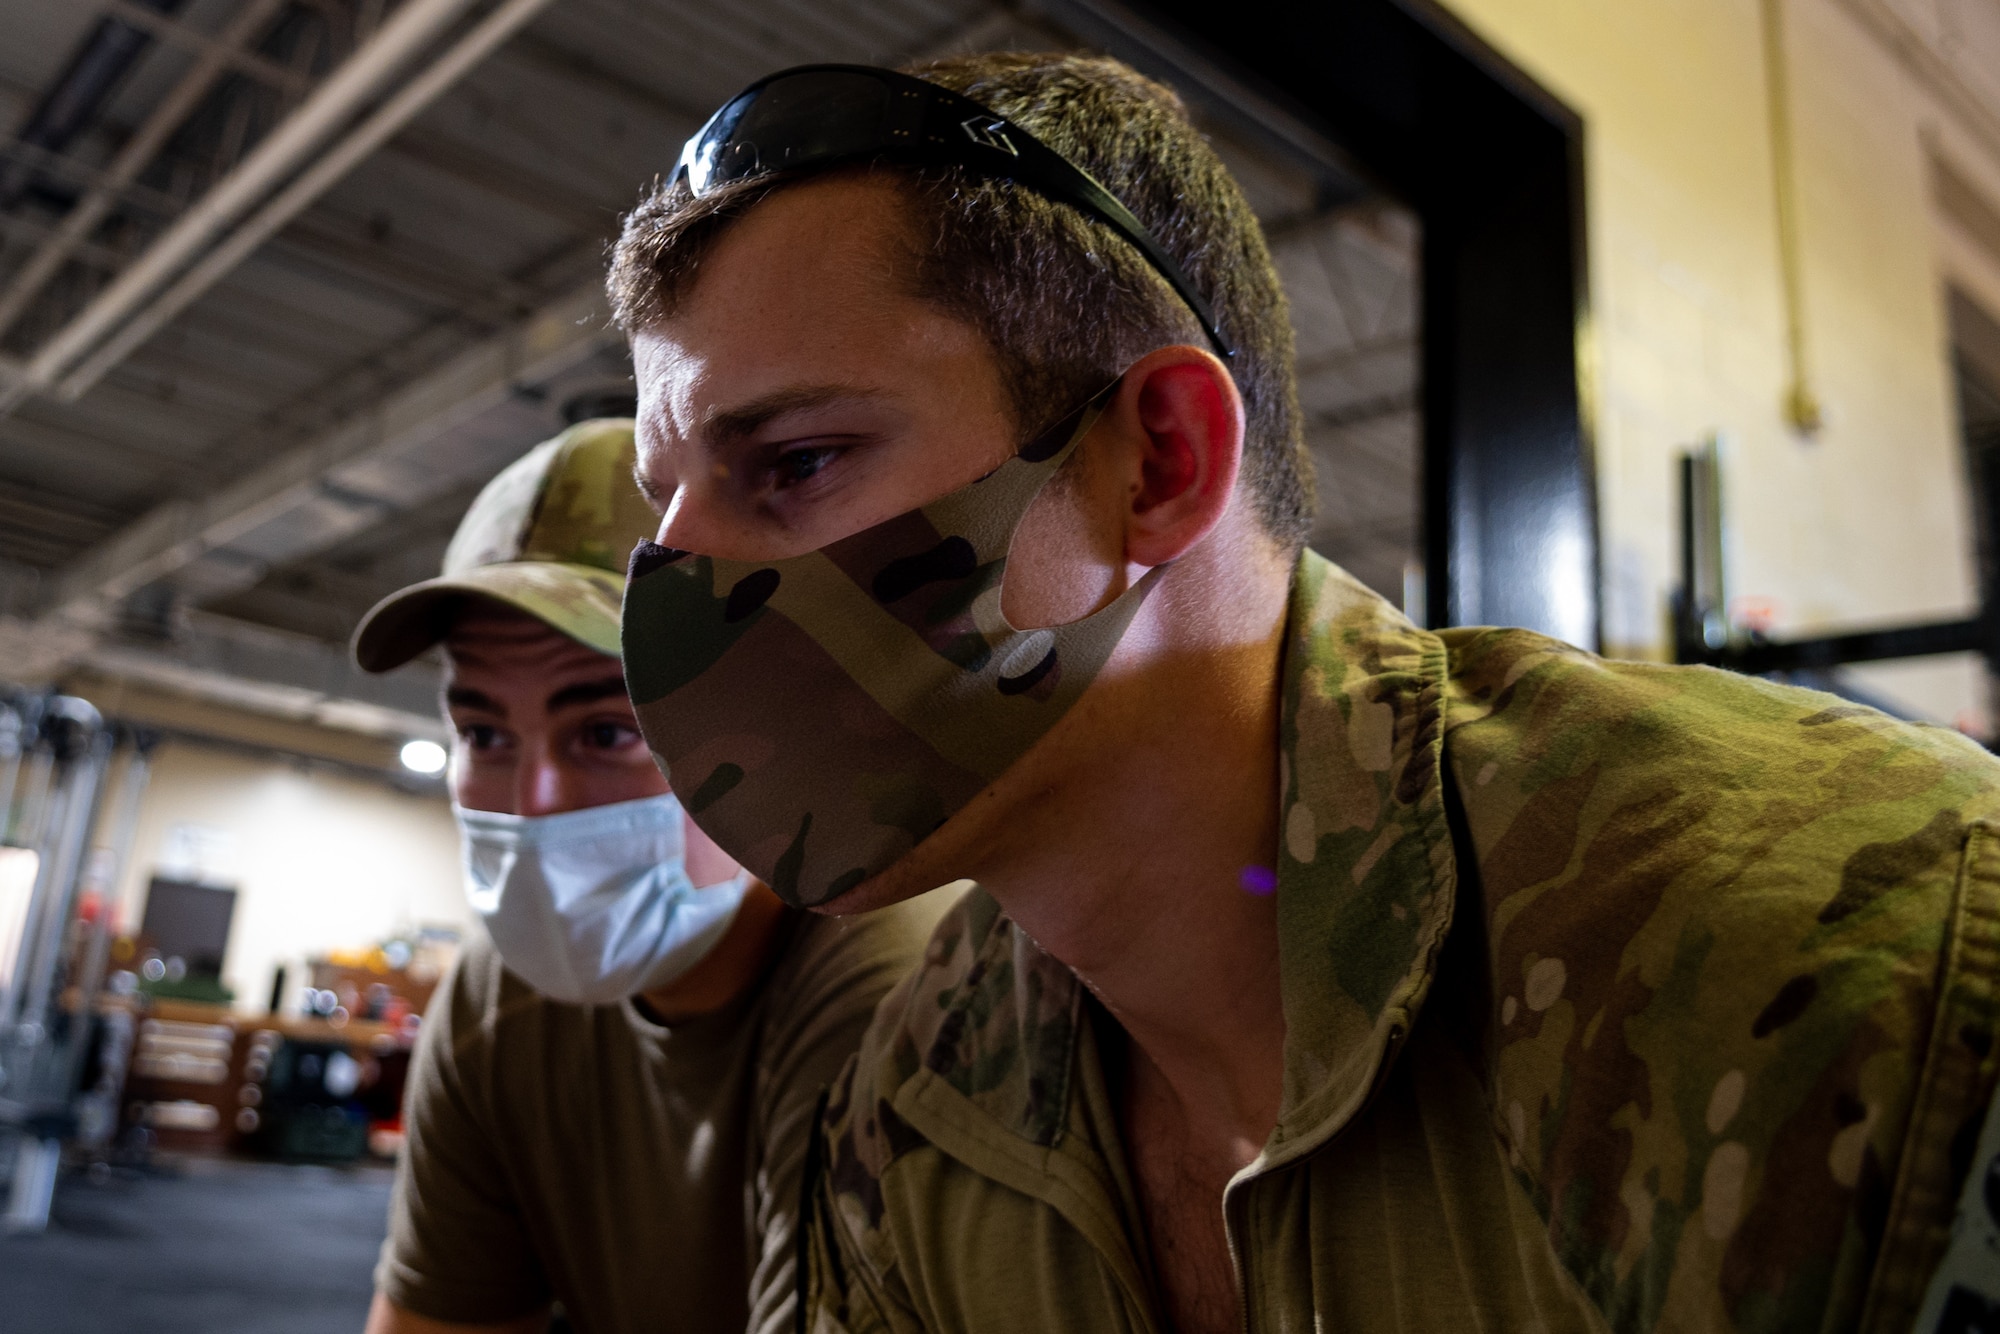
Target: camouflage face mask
819 716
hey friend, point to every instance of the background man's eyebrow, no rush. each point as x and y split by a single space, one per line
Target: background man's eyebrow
465 697
745 418
586 692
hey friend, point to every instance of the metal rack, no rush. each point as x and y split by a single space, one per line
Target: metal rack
55 754
1702 633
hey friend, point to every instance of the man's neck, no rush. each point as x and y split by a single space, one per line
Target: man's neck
737 963
1143 862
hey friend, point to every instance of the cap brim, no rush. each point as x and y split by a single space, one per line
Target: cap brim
580 601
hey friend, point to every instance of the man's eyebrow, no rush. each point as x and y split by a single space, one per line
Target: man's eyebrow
586 692
465 697
746 418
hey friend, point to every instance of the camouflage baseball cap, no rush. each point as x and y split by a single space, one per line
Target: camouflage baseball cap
550 536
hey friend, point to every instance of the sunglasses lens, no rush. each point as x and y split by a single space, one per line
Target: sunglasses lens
790 122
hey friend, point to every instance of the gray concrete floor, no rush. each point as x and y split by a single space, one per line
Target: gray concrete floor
200 1246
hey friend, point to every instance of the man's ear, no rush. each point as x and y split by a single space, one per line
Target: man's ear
1188 417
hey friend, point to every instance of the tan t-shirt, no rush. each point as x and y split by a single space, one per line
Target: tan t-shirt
646 1177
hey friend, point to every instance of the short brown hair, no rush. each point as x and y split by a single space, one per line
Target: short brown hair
1065 303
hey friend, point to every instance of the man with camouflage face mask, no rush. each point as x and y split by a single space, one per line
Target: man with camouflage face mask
1326 973
610 1103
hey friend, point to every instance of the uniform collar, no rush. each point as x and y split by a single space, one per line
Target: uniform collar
1364 892
1365 867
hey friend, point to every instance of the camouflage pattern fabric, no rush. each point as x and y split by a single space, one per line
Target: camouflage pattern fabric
823 714
1617 997
548 536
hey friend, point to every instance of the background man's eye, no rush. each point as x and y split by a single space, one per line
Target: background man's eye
479 736
609 736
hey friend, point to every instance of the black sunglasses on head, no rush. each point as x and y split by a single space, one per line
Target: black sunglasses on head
820 115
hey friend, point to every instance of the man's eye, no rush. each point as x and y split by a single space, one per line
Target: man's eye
800 464
608 736
479 736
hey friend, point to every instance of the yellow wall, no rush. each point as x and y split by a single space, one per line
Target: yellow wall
1867 522
321 860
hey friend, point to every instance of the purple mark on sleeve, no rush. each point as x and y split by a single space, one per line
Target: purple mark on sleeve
1259 879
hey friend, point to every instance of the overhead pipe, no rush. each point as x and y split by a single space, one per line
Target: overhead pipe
140 149
1800 406
370 135
343 93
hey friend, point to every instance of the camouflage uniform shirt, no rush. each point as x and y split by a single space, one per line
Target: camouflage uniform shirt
1616 997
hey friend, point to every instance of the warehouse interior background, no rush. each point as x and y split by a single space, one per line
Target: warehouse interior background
283 283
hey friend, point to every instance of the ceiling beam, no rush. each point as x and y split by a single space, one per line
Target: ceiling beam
81 600
45 512
178 717
224 50
259 670
315 599
432 285
27 230
85 176
96 203
229 216
581 70
27 443
502 179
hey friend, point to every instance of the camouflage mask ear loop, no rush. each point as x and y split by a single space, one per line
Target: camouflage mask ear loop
822 714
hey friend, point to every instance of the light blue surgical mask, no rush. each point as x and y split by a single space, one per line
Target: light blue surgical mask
595 905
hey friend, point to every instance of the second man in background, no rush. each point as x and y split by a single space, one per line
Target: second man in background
610 1102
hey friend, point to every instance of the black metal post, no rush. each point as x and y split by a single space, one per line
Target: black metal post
1493 166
